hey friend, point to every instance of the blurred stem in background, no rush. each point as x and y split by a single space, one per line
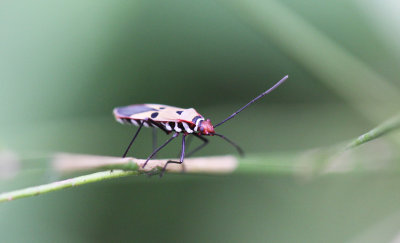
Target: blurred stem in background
362 87
384 128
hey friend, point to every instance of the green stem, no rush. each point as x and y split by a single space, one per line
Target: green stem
58 185
117 167
318 160
384 128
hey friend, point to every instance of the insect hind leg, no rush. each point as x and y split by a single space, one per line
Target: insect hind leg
154 142
159 148
133 139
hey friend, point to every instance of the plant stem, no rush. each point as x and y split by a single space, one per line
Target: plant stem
382 129
58 185
117 167
322 161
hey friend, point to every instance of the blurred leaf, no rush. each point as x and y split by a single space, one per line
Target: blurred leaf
356 82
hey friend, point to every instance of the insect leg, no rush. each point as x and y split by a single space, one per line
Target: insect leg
133 139
205 142
154 139
175 162
188 141
159 148
232 143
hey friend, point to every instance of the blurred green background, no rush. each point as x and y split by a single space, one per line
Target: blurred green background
64 65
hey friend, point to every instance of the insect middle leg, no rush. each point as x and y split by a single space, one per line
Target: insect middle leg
159 148
175 162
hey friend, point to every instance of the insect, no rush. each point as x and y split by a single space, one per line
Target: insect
177 121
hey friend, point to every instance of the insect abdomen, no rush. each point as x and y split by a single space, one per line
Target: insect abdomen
169 126
177 126
133 122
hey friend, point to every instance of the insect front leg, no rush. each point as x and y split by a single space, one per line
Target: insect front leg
175 162
205 142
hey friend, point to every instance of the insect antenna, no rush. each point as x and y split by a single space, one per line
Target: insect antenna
251 102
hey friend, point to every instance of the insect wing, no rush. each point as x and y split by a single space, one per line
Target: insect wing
133 111
155 112
189 116
172 114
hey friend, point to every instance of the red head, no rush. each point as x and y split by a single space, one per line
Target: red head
206 127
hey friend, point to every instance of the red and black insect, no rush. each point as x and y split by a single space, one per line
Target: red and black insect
176 120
